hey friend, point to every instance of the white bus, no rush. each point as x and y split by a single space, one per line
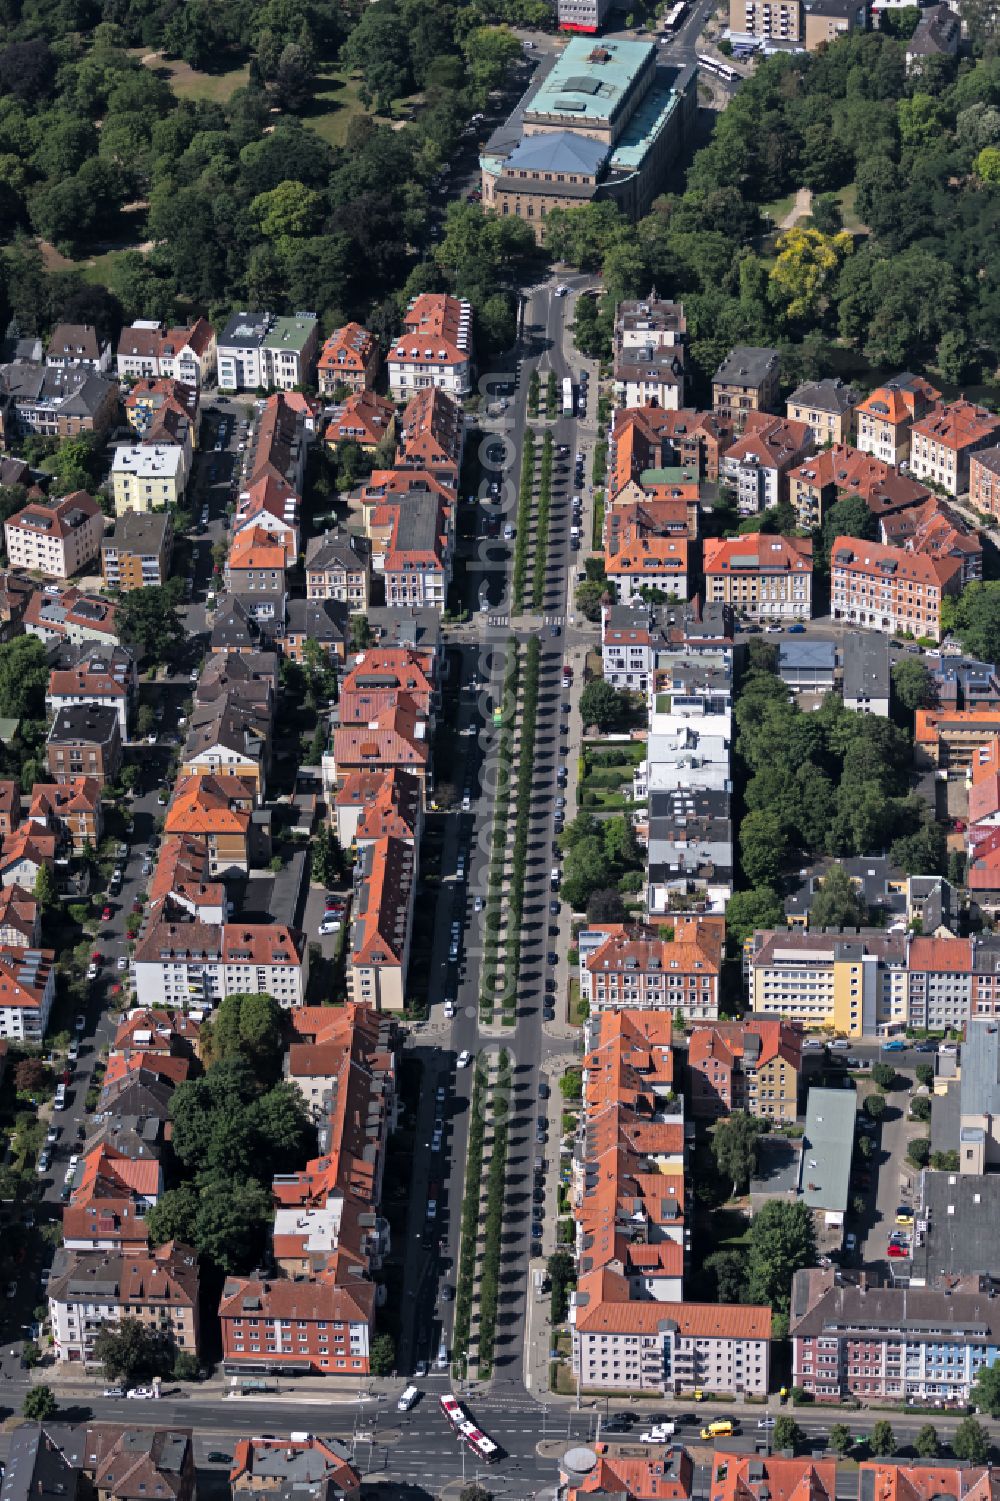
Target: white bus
484 1448
672 20
452 1409
568 408
712 65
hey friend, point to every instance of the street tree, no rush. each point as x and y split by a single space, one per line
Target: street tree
787 1434
874 1106
986 1391
927 1443
971 1442
39 1404
884 1075
383 1355
841 1438
882 1440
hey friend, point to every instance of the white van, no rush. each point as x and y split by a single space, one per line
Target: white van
407 1399
442 1357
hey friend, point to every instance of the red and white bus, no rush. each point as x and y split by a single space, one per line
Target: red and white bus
483 1447
453 1411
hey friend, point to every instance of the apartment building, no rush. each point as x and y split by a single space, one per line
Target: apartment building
984 481
55 538
123 1463
73 810
739 1476
885 418
54 403
890 588
90 674
759 575
853 983
24 853
644 439
20 925
265 350
71 618
363 418
647 549
136 552
85 740
638 967
825 406
382 924
416 560
943 442
587 16
649 347
147 350
278 1468
90 1290
349 357
27 982
314 1326
767 20
195 962
935 530
377 680
746 381
826 20
890 1344
112 1194
219 809
955 739
940 974
434 349
376 804
338 566
866 684
636 637
164 411
759 462
666 1473
753 1065
78 346
147 476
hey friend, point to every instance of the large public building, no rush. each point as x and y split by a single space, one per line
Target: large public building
605 122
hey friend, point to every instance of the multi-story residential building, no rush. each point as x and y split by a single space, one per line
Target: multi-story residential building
416 559
937 34
136 553
111 1196
24 853
758 464
256 563
665 1472
935 530
955 739
943 442
638 637
382 927
854 983
375 804
587 16
826 406
56 538
78 346
54 403
277 1469
940 983
640 968
71 618
673 1349
824 478
20 923
746 381
890 1344
826 20
649 353
164 411
605 123
867 674
27 987
651 438
89 674
90 1290
890 588
200 963
434 349
364 418
147 476
318 1326
219 809
378 679
278 445
884 419
72 809
263 349
130 1464
147 350
350 357
767 20
431 439
984 481
753 1065
759 575
85 740
646 550
338 566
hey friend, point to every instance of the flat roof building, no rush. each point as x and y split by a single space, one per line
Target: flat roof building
867 674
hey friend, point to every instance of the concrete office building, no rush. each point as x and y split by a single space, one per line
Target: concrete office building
605 123
587 16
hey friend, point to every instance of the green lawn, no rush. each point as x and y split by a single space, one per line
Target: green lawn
847 198
335 103
777 210
190 83
99 269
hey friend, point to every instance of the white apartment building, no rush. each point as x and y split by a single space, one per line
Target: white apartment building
199 963
146 476
27 990
264 350
435 348
57 538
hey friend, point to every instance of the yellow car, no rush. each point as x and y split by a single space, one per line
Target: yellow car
904 1215
722 1428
